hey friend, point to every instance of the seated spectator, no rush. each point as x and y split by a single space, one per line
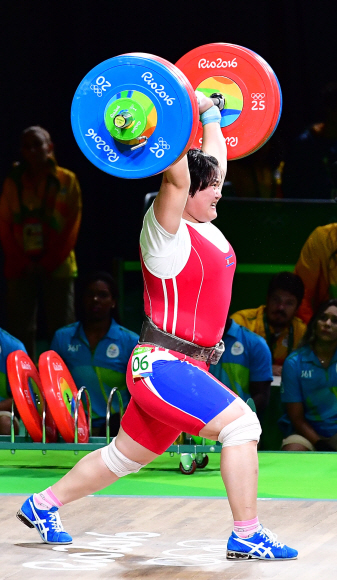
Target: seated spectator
40 214
309 380
245 366
96 349
276 321
308 170
8 344
317 266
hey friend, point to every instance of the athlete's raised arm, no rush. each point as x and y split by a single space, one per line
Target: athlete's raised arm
213 141
171 199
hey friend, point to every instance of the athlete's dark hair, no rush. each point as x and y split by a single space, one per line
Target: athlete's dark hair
204 170
110 282
310 334
290 283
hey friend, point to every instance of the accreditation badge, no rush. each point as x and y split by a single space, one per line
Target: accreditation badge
33 237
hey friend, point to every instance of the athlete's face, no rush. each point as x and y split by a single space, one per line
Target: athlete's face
281 307
98 301
202 206
326 326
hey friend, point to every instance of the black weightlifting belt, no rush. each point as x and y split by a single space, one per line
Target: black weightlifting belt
151 334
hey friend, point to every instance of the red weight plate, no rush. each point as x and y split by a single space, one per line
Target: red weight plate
240 75
27 393
60 391
277 94
277 114
186 83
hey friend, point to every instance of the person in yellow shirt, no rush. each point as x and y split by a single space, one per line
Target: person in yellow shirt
40 215
317 266
276 321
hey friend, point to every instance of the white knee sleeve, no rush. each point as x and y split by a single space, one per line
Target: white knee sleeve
117 462
243 430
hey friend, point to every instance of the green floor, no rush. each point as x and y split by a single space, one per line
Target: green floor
282 475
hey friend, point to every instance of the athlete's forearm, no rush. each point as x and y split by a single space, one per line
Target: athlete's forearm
213 143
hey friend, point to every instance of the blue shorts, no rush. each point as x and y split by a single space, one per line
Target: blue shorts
180 395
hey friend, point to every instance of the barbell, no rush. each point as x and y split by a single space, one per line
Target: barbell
136 114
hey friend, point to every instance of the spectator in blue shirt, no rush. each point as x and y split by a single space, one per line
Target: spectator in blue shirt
309 385
96 349
8 344
246 365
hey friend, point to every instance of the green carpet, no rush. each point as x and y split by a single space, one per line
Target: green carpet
282 475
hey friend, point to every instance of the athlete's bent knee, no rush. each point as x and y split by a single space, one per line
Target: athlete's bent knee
243 430
117 462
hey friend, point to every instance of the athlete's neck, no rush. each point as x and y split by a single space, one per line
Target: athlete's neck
189 218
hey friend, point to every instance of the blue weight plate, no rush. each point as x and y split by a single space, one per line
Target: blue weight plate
130 75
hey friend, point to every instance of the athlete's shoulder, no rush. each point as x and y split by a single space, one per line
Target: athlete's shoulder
211 233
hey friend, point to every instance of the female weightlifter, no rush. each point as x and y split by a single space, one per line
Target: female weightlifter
188 268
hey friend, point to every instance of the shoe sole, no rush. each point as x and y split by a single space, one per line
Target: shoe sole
233 555
25 520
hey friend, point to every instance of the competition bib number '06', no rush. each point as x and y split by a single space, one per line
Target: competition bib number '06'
142 362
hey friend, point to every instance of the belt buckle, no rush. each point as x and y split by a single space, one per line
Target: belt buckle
210 356
217 353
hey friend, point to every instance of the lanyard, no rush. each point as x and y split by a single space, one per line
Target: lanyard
52 187
271 339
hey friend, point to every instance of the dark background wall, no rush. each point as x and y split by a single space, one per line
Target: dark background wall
48 47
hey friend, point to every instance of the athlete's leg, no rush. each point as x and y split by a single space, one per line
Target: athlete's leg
94 472
238 464
91 473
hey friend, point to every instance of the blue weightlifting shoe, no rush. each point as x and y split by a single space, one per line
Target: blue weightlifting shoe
47 522
262 545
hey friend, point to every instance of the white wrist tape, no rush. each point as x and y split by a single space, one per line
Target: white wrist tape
243 430
117 462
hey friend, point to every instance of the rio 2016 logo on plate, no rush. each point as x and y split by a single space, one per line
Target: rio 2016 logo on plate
232 93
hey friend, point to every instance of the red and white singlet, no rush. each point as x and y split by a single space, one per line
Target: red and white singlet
188 279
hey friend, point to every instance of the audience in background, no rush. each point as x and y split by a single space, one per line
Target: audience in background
257 175
246 365
276 321
309 386
8 344
317 266
310 166
96 349
40 214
